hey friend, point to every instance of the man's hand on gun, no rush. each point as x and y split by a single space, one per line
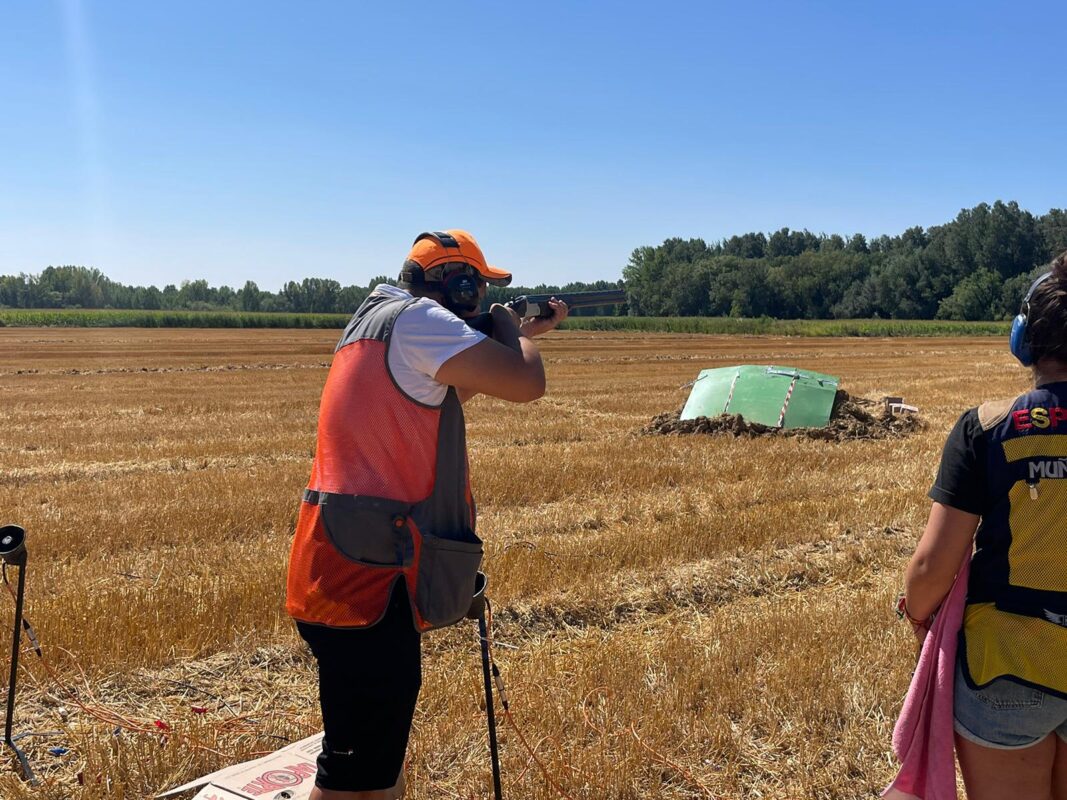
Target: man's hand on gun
507 322
533 310
535 326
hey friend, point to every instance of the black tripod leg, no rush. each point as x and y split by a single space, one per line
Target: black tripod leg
490 714
8 739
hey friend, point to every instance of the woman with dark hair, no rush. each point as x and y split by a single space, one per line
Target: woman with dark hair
1002 485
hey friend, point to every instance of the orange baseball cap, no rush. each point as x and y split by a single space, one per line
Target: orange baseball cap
437 248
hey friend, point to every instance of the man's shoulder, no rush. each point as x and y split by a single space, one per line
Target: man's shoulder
389 292
426 323
426 334
424 311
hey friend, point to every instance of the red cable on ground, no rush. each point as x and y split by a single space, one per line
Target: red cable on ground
633 730
113 718
507 711
105 715
692 778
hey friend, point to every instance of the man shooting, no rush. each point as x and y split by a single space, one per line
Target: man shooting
385 545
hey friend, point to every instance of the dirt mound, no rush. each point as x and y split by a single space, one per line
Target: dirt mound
851 418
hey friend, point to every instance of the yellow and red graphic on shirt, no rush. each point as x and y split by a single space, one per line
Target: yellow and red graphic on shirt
1040 418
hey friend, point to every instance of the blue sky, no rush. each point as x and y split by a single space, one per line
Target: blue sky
273 141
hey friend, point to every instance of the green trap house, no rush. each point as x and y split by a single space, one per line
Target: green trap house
780 397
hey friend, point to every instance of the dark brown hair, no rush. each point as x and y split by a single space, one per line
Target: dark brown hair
1048 314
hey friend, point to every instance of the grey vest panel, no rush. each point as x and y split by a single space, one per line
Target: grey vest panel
451 551
374 319
445 512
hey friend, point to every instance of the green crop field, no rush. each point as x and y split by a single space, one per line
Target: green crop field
132 318
121 318
791 327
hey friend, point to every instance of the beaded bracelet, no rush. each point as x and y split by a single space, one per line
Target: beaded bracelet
902 612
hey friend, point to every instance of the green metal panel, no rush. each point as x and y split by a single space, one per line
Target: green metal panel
761 394
711 392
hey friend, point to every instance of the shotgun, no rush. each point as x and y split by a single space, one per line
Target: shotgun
536 305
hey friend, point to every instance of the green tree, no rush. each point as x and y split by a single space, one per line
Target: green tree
350 298
975 297
152 299
647 272
749 245
193 292
294 297
321 294
858 244
1053 227
248 299
832 242
170 296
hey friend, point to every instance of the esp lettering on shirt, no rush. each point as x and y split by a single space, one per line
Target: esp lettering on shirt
1040 418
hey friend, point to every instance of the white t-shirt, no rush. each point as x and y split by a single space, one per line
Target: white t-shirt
425 336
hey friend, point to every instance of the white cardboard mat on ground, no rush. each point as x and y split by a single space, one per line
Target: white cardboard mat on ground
288 774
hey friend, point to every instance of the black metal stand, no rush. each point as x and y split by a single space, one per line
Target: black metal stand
494 754
13 552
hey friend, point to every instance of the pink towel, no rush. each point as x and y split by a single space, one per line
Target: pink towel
923 736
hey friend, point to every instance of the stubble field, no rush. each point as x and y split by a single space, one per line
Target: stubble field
676 617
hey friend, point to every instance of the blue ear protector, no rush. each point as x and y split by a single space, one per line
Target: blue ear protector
460 288
1020 329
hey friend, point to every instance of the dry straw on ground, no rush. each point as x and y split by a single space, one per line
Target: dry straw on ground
690 616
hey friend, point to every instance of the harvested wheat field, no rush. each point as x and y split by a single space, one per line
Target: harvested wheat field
676 616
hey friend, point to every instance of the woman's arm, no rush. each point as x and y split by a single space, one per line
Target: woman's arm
948 536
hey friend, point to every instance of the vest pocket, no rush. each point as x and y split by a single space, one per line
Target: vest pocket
448 569
372 531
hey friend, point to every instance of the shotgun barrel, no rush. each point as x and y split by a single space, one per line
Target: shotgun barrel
536 305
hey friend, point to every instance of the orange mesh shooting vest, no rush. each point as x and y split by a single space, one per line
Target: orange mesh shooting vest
389 496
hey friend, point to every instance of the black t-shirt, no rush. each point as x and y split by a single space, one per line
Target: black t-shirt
961 478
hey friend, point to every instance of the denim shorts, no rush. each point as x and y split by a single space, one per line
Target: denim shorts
1006 715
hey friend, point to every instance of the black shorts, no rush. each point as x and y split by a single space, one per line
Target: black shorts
369 680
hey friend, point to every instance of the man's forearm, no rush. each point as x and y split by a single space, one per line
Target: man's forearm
508 335
512 337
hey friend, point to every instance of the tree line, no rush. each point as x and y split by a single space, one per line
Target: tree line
975 267
85 287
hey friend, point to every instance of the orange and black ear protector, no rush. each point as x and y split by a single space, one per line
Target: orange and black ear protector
461 291
460 288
